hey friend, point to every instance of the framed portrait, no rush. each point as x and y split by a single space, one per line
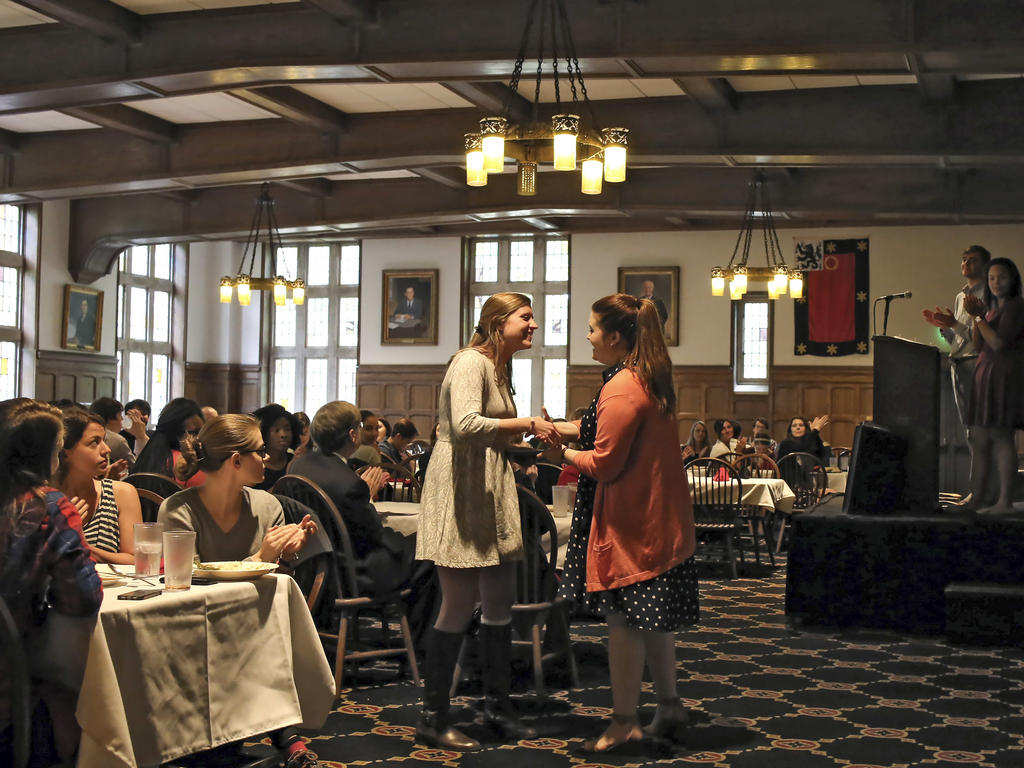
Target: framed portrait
660 285
83 318
409 306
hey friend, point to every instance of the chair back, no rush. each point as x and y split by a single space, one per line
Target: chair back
547 478
715 500
730 457
305 491
162 485
843 456
402 484
756 465
806 477
19 691
536 571
150 503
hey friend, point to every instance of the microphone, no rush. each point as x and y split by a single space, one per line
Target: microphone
891 296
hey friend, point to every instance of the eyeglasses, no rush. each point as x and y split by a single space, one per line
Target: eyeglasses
261 451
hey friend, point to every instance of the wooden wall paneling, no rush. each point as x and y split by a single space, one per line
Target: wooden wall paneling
396 391
228 387
77 376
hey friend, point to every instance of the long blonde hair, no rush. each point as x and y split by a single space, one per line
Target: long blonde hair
219 438
487 336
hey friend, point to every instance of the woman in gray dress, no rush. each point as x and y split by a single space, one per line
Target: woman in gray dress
469 525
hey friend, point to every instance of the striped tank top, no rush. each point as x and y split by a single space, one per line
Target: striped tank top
102 530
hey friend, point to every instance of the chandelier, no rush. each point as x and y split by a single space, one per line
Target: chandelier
245 281
564 138
738 273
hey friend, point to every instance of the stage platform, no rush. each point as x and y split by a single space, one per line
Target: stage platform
891 571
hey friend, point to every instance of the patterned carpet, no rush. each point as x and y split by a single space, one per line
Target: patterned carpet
763 696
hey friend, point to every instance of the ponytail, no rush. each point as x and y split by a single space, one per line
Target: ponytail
638 323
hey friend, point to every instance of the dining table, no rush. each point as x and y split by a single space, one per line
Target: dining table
766 493
189 670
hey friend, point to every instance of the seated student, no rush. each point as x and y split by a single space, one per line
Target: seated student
804 437
383 556
162 455
280 430
727 441
45 570
109 508
367 453
761 426
138 411
235 522
423 460
303 446
395 448
698 446
121 459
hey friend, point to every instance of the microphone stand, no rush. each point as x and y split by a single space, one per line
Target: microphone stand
885 317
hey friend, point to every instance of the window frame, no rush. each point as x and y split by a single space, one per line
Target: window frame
14 334
538 288
334 291
741 382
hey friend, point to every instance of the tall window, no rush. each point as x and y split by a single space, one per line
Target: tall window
752 333
314 346
145 318
538 267
11 267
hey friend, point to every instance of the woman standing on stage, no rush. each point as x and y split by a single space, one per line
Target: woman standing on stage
469 525
630 553
997 397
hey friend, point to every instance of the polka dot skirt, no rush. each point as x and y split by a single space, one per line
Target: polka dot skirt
665 603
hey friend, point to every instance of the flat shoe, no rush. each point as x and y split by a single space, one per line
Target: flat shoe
633 734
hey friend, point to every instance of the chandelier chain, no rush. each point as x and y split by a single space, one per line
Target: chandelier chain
517 70
571 51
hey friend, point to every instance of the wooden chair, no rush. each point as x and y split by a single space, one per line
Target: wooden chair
717 508
730 457
806 477
537 615
19 687
760 523
162 485
150 504
547 478
402 483
843 456
348 603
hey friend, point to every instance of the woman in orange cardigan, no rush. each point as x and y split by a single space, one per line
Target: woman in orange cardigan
630 553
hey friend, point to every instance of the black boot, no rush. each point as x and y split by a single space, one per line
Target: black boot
439 666
496 668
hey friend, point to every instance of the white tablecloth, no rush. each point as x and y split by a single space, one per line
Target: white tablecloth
765 492
190 670
837 481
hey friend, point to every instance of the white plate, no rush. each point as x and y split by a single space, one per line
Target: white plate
234 570
110 580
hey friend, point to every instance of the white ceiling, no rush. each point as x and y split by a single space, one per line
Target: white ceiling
38 122
14 15
175 6
384 97
201 108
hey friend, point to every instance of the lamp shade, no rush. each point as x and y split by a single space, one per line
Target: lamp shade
476 175
592 172
280 291
796 284
227 286
615 140
735 292
299 292
717 281
739 278
566 128
492 139
526 178
244 292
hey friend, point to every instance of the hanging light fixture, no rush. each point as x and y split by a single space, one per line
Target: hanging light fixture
565 139
737 273
244 280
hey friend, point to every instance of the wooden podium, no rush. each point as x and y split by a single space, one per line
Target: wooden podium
907 398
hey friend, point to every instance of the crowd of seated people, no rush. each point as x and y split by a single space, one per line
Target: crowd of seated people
802 436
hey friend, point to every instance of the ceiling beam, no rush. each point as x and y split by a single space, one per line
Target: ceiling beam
127 120
285 43
103 19
713 94
313 187
359 11
867 126
295 106
717 197
492 98
449 177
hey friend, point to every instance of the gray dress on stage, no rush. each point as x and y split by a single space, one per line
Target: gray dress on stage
470 510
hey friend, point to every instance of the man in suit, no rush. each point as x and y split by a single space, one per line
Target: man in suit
648 286
383 556
410 308
84 321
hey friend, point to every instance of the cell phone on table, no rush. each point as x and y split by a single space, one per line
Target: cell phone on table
140 594
199 581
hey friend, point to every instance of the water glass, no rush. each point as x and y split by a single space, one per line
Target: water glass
179 551
560 498
148 548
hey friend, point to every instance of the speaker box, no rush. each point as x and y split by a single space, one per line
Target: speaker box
876 481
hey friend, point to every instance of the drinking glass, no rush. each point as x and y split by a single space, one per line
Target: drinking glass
179 550
560 496
148 548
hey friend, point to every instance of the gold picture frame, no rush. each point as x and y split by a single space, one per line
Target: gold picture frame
665 284
409 306
82 325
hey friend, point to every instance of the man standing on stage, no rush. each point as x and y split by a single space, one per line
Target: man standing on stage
955 326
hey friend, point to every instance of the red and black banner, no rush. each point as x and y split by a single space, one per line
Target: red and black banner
833 317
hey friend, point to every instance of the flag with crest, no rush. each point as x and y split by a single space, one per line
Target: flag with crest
833 317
